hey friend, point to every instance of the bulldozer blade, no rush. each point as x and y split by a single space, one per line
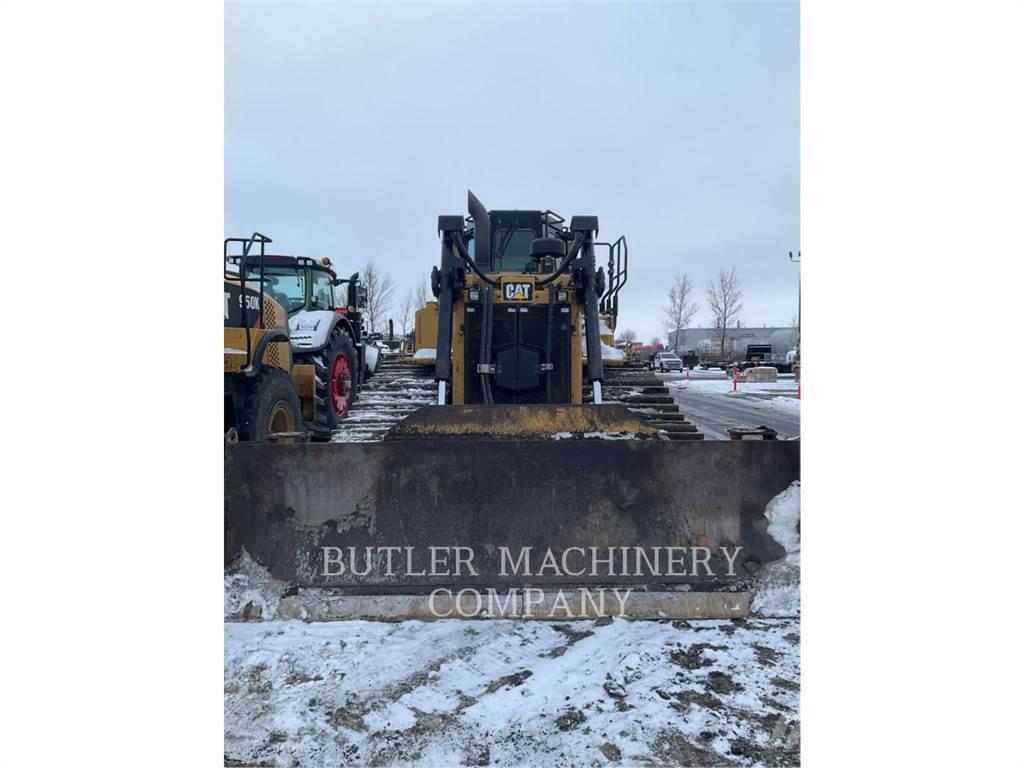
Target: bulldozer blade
410 517
522 422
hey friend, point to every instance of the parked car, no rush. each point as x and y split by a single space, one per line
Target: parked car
665 361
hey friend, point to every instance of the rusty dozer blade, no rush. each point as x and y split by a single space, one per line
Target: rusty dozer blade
402 527
522 422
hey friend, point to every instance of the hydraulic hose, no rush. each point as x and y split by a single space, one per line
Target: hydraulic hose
460 246
547 346
485 344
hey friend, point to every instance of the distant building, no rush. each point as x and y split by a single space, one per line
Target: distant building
707 342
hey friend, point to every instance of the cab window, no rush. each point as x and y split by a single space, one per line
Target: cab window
323 291
287 287
512 250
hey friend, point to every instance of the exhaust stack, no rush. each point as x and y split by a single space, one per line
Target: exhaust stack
482 231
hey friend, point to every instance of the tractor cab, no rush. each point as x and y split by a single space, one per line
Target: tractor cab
298 283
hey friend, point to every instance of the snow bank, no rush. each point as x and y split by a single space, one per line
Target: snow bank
777 592
611 353
426 353
717 384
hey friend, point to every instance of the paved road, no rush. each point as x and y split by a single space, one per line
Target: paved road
714 413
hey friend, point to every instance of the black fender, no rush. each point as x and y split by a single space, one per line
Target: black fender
270 337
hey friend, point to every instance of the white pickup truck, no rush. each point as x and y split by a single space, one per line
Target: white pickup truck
665 361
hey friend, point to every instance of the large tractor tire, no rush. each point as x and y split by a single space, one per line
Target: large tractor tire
336 379
271 405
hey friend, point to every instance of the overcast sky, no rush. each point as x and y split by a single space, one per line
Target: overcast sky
350 127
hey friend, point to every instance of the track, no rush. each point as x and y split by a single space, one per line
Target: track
395 391
399 388
647 396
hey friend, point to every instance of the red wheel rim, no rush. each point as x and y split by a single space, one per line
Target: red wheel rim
341 385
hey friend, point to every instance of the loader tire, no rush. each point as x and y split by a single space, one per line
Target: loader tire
271 405
336 379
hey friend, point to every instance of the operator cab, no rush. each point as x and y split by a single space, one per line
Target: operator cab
512 232
503 240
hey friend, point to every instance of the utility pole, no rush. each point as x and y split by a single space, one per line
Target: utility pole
796 260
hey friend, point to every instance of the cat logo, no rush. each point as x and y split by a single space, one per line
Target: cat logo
518 291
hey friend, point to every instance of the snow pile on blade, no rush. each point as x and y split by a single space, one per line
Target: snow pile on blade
595 436
778 590
250 592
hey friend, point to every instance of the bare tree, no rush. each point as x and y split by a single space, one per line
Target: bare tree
679 311
422 294
380 291
656 341
628 336
406 312
725 300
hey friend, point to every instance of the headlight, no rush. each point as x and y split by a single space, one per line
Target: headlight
474 294
307 324
562 295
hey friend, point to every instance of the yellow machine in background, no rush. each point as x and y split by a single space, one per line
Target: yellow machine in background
264 393
425 336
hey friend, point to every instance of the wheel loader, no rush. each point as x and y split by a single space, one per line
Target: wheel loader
531 449
264 393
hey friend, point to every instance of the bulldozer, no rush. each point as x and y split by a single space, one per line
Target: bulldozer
524 316
529 446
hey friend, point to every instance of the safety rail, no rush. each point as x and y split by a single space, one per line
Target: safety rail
618 273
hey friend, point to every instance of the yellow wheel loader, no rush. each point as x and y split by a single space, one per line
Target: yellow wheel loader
265 395
537 471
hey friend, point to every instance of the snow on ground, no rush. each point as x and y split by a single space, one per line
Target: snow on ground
775 395
720 386
522 693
